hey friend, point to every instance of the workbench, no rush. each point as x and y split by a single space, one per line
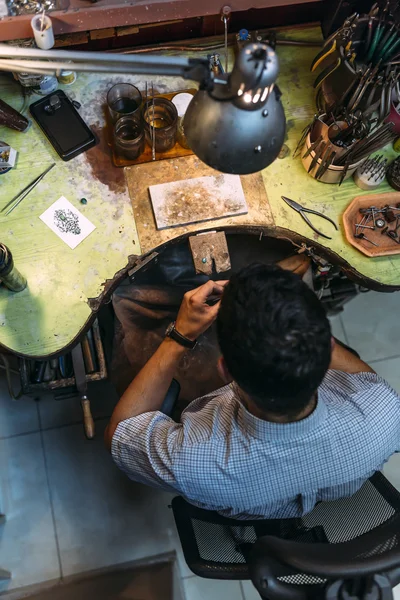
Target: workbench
66 287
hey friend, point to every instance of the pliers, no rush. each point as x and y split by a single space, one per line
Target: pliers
302 210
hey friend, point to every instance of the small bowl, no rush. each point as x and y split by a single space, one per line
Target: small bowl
333 174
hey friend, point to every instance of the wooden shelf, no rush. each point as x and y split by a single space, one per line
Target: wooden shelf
83 15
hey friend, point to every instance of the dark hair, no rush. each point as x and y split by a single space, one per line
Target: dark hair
275 337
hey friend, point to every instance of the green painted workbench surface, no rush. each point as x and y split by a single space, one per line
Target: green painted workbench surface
54 307
64 285
288 177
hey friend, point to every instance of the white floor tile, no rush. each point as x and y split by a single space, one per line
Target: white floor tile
27 539
371 325
56 413
389 369
102 517
197 588
249 591
16 416
391 470
337 328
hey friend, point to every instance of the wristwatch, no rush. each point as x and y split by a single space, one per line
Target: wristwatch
178 337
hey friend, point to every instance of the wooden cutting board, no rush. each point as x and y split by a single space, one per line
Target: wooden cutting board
140 177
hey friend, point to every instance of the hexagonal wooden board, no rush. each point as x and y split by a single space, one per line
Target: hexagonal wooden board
351 216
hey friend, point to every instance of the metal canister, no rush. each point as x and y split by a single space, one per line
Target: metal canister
9 274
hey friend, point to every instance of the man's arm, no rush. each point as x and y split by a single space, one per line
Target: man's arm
147 391
344 360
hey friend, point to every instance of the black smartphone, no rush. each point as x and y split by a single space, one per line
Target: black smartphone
62 124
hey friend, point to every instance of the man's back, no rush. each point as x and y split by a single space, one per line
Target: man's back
222 457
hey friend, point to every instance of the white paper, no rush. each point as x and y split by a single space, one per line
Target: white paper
67 222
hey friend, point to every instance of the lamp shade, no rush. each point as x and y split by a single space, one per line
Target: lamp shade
239 127
233 140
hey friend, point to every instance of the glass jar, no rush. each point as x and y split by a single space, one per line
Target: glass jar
129 137
160 118
123 100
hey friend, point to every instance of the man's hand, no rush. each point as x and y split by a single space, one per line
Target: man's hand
195 315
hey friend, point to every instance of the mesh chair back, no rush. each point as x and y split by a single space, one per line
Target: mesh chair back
215 547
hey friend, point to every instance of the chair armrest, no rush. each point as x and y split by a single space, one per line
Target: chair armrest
171 398
377 551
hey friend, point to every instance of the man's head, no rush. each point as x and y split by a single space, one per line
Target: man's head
275 338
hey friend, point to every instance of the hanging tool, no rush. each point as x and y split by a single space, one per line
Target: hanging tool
369 35
23 193
375 40
81 384
326 72
302 211
387 42
321 56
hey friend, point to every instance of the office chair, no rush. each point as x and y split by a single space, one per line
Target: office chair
347 549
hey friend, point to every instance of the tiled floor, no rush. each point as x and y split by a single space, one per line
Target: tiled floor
69 509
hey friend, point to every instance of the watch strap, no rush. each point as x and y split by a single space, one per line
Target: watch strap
174 334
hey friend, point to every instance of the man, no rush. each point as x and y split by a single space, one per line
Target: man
301 419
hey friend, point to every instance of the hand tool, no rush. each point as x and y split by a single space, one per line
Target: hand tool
153 129
87 355
313 146
362 236
81 384
304 135
23 193
324 155
340 102
318 154
92 347
39 369
360 86
303 210
393 236
325 52
375 41
326 163
344 172
391 50
344 33
326 72
369 36
374 141
386 42
374 9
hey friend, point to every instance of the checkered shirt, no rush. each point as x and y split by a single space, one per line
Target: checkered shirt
220 457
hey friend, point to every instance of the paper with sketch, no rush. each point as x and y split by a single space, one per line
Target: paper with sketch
67 222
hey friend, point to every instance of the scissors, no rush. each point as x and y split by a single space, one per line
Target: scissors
302 210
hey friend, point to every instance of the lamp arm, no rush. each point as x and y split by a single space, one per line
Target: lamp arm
47 62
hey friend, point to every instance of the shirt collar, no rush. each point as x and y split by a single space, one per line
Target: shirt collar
282 431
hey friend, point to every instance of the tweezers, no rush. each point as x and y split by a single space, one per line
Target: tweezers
23 193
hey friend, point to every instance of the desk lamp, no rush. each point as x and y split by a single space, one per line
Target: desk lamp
235 122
